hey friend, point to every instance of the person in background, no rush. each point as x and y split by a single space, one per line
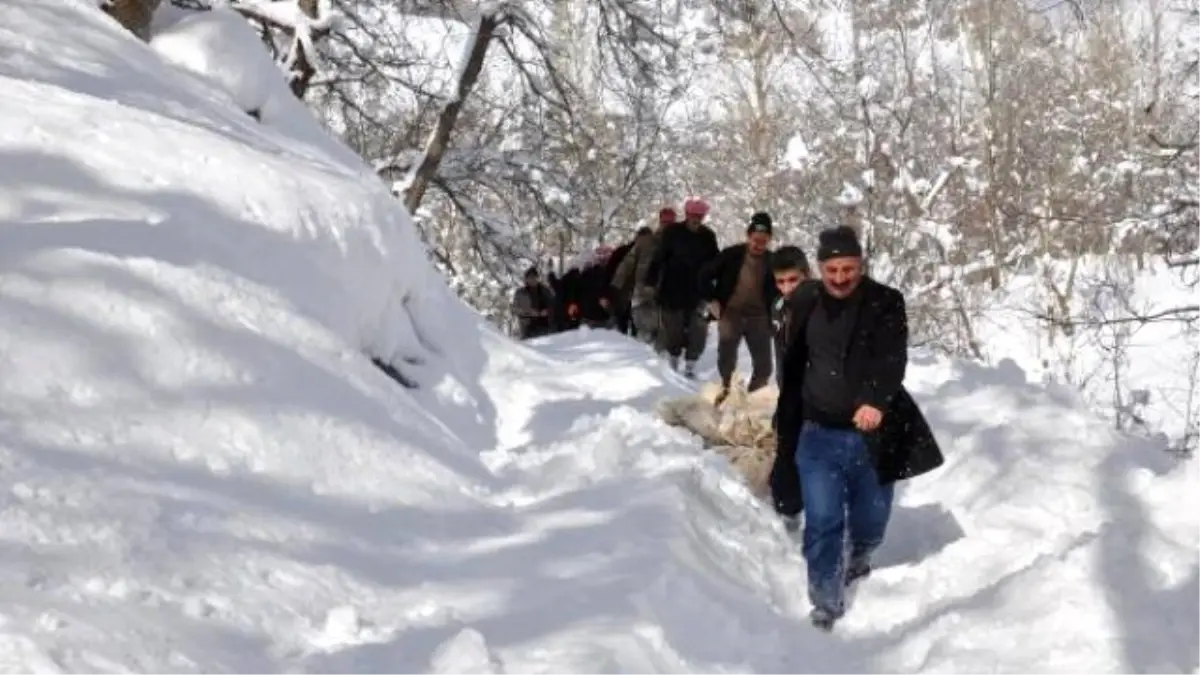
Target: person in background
533 305
586 292
621 294
631 272
681 253
846 428
789 267
741 291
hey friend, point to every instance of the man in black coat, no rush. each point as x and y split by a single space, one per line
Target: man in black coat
740 288
847 429
675 272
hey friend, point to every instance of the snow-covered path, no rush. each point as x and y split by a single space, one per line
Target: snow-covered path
204 471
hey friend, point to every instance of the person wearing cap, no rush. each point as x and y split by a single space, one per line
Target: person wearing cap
740 289
846 428
673 272
533 305
631 272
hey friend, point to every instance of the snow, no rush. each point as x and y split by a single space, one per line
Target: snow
1159 358
206 473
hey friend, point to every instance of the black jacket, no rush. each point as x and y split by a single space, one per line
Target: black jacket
585 288
610 270
675 268
876 359
719 278
783 319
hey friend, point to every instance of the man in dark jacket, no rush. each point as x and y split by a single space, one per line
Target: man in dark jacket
674 270
790 268
741 290
847 429
533 305
622 293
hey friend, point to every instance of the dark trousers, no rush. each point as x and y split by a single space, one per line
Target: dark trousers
756 329
683 331
622 317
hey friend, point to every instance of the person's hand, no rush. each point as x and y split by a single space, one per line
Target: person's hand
714 308
867 418
543 312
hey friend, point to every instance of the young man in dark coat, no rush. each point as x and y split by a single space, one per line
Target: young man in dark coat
674 271
789 267
533 305
847 429
741 290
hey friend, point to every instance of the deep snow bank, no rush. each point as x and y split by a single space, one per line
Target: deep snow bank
1047 543
1152 365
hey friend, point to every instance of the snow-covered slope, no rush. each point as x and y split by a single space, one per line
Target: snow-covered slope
205 473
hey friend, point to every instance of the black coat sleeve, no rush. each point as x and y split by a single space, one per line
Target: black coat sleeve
714 248
791 307
889 360
789 409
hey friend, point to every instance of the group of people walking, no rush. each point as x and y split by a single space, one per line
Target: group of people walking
666 285
846 428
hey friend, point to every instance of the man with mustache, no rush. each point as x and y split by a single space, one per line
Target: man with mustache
847 429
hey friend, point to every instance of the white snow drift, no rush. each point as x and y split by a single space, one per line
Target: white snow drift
205 472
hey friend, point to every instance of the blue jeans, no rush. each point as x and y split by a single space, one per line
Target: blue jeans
840 488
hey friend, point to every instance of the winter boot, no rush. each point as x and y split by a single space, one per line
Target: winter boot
822 618
689 370
859 568
673 361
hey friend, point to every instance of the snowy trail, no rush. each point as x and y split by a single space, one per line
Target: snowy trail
206 473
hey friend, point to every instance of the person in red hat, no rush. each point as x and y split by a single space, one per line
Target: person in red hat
674 272
632 272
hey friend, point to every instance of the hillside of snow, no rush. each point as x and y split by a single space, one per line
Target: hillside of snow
206 473
1151 364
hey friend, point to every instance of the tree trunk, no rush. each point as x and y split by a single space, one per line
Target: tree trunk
303 70
133 15
439 138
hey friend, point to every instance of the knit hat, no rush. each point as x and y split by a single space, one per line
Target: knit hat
760 222
838 242
695 207
667 216
532 273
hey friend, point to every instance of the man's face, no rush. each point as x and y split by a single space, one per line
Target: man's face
841 275
757 242
787 280
532 280
693 221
